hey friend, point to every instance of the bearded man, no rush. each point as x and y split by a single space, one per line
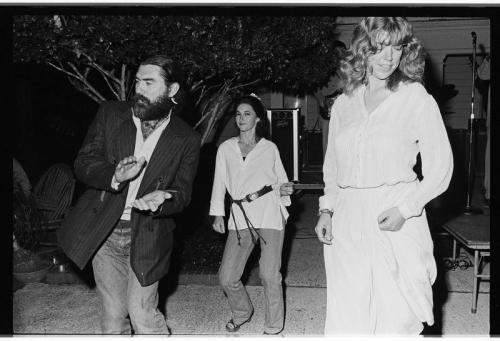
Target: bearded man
139 161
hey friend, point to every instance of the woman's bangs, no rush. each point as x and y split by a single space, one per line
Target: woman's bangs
391 34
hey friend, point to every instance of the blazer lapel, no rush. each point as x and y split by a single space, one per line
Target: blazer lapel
125 141
168 143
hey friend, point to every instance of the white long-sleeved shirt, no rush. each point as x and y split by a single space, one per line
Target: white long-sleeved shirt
261 167
368 150
142 148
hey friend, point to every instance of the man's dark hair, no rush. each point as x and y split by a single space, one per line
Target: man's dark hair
171 73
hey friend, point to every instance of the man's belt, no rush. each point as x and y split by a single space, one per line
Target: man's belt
249 198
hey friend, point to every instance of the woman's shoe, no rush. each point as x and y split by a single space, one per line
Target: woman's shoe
233 327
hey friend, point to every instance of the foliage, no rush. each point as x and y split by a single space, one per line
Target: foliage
27 220
222 55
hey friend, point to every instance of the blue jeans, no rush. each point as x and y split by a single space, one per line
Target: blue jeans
121 293
233 263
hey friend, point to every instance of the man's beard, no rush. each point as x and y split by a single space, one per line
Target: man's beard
146 110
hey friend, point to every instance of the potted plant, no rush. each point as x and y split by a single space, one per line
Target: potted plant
28 266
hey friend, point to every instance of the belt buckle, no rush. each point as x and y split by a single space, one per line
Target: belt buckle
253 196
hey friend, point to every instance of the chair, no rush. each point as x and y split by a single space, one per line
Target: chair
53 194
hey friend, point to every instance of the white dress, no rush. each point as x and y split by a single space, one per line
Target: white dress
380 282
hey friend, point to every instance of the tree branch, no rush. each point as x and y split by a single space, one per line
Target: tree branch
84 90
113 88
101 69
221 101
123 87
204 80
243 85
86 83
64 71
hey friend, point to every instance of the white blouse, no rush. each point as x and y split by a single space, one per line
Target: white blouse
380 148
261 167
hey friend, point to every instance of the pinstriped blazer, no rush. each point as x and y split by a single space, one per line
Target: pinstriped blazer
173 165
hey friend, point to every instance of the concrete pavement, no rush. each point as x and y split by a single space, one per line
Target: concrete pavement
197 306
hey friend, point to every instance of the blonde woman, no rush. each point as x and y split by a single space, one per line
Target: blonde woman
378 249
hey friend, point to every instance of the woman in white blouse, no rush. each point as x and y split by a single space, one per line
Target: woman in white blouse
378 249
249 168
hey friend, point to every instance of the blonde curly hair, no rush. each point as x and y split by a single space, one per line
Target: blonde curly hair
366 40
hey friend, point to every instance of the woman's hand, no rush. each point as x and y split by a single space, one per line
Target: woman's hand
324 228
286 189
218 224
391 220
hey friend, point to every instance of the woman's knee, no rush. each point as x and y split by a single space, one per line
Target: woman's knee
270 277
227 279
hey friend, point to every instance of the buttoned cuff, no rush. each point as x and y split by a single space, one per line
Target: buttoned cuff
216 209
284 200
324 204
408 211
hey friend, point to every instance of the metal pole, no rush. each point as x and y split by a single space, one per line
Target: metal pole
469 209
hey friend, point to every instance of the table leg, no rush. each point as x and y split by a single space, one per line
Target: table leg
475 282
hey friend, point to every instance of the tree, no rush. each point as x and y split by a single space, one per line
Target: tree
222 55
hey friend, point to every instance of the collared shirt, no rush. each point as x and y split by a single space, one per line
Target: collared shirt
239 177
368 150
142 148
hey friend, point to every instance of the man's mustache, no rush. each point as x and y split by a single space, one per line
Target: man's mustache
144 99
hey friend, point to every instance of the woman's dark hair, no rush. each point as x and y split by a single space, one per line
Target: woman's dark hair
367 36
171 73
262 127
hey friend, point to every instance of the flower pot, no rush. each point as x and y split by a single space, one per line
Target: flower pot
33 276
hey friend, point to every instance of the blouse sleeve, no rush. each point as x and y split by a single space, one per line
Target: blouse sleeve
282 177
219 185
327 201
436 156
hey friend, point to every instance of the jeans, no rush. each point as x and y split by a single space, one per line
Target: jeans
121 293
232 266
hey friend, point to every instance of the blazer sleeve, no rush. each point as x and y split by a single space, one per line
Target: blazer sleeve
91 165
183 181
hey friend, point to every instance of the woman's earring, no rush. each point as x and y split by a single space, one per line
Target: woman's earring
173 100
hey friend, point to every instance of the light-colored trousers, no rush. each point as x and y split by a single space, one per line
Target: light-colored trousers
121 293
233 263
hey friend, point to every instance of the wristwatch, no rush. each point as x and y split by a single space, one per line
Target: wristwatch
325 210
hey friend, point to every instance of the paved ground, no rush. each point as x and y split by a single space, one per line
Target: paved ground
202 310
197 306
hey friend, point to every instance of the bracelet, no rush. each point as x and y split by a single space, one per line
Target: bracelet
325 210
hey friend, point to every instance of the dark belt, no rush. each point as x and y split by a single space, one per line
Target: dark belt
249 198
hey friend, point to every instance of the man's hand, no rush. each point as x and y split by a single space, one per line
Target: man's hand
151 201
218 224
128 168
324 228
286 189
391 220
